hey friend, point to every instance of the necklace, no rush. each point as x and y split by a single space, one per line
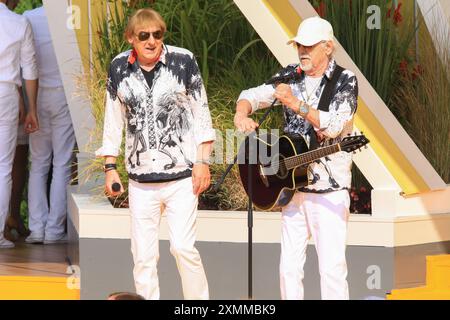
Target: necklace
313 91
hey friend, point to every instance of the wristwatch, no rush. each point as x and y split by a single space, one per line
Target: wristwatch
303 109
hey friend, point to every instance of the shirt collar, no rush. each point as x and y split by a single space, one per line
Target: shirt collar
331 67
132 58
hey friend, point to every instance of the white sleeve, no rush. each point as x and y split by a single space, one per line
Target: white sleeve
28 54
112 127
259 97
203 130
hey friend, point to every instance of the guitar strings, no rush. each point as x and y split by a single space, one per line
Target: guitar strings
299 156
303 155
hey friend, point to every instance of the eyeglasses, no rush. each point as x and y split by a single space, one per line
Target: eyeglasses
144 36
298 45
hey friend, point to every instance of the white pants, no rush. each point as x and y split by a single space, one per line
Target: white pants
180 205
324 217
9 118
52 143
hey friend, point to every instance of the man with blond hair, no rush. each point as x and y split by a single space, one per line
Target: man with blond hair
156 90
320 108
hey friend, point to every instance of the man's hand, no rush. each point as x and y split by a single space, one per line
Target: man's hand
201 178
112 176
31 123
244 123
283 93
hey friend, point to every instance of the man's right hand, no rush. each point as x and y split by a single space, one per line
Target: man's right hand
244 123
112 176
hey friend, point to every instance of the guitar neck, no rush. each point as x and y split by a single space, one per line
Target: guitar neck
310 156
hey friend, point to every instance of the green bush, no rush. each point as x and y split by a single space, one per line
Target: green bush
25 5
422 102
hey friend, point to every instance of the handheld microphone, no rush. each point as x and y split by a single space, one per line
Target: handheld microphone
115 187
291 73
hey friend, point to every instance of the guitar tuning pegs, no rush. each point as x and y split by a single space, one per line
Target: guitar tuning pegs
362 132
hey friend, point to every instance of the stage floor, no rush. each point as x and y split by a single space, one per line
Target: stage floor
34 260
37 271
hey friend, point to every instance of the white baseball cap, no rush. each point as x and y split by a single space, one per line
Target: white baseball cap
312 31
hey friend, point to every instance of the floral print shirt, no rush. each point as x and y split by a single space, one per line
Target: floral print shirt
164 123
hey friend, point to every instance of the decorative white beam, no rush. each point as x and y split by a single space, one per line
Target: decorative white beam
437 19
71 68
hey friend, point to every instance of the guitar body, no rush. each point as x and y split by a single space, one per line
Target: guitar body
272 184
272 168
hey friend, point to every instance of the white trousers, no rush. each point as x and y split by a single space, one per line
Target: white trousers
9 118
180 205
52 143
324 217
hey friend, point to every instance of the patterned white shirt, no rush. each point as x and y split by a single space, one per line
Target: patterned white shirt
333 172
165 123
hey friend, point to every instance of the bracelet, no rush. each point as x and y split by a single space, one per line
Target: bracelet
203 161
109 169
110 166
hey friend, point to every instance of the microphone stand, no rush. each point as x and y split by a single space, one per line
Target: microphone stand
250 202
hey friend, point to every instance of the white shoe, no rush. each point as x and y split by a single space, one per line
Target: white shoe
35 238
6 244
62 239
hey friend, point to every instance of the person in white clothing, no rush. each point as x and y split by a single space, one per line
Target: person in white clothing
157 91
52 145
15 227
320 209
17 52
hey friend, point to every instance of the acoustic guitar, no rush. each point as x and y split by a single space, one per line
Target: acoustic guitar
278 165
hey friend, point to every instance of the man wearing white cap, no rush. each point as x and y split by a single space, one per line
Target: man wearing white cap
17 52
319 107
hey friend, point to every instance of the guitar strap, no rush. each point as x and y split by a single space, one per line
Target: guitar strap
324 103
